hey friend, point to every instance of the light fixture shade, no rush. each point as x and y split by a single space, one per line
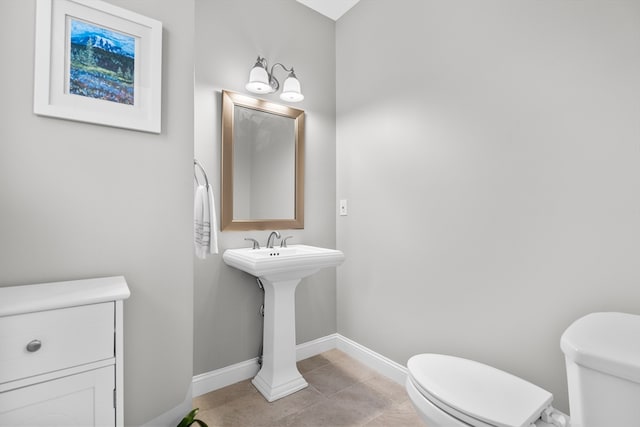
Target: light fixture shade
291 90
259 80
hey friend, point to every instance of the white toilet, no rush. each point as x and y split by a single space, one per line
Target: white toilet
602 354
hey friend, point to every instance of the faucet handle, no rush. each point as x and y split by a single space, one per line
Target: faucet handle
283 243
256 245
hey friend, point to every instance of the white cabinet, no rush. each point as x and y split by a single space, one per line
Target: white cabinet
84 399
61 353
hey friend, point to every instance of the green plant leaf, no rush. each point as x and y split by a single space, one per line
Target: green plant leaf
189 418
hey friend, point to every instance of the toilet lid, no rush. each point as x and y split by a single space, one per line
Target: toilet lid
477 391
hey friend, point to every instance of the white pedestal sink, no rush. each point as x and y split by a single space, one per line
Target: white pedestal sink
280 271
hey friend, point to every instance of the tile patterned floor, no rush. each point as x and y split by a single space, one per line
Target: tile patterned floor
342 392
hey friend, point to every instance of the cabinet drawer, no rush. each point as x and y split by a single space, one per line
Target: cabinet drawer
69 337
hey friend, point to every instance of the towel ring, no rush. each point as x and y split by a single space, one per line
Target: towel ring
204 174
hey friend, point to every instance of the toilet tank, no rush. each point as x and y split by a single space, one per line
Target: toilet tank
602 355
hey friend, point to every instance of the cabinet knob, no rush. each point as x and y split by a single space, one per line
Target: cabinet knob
34 346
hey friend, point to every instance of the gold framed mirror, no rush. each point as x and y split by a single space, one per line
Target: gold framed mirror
262 164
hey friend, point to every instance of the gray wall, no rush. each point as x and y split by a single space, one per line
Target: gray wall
229 35
80 200
489 152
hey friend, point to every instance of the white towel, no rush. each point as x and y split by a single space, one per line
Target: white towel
204 222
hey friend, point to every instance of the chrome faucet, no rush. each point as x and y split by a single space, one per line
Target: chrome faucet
271 238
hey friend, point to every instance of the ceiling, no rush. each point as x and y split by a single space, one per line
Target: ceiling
334 9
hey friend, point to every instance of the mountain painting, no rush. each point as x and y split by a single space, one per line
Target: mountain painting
101 63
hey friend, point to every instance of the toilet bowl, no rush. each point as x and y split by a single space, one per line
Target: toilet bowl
602 354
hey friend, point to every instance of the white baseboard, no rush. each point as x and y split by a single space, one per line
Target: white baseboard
214 380
373 360
311 348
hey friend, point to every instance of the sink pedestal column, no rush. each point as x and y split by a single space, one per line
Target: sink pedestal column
279 375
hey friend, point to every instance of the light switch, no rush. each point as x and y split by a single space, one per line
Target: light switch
343 207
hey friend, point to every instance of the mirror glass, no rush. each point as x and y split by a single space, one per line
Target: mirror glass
262 164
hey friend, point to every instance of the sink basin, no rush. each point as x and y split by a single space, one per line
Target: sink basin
293 262
280 271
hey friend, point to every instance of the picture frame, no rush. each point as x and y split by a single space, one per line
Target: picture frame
98 63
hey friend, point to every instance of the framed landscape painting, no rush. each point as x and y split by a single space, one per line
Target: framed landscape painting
98 63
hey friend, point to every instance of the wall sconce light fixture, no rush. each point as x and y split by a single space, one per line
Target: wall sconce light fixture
262 81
